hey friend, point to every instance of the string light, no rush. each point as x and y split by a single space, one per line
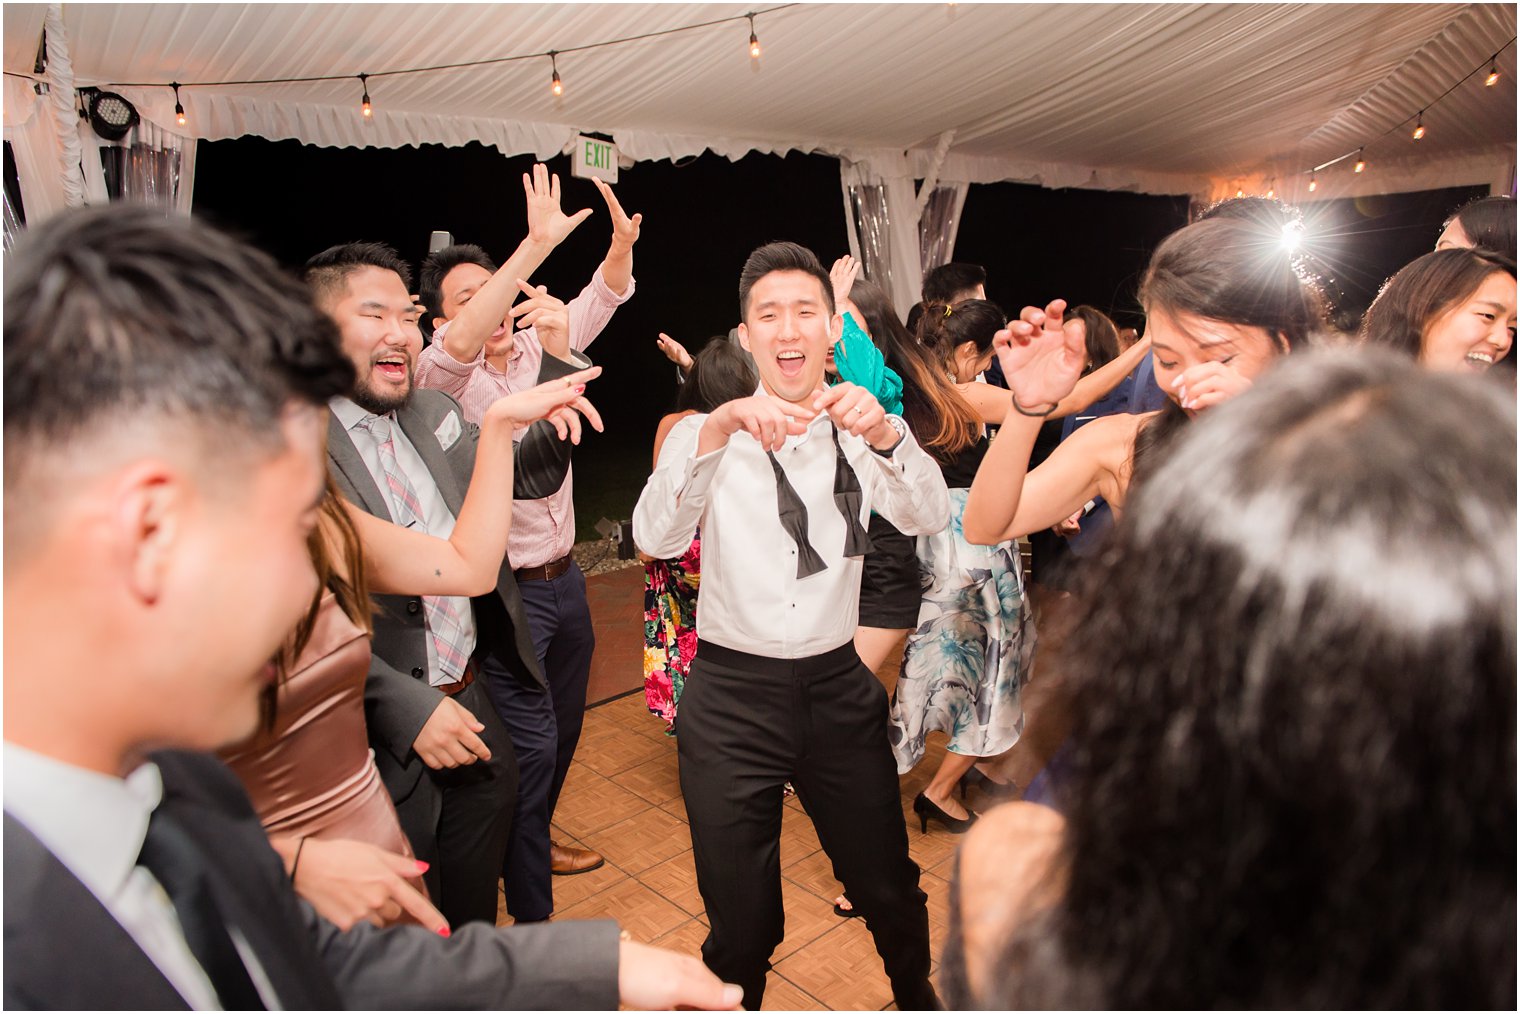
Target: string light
364 106
555 84
1361 163
179 110
1493 72
1272 188
1313 182
754 40
1419 126
1240 191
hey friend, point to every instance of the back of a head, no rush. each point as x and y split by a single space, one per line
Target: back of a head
1294 775
1423 290
1489 222
950 283
720 372
782 256
122 319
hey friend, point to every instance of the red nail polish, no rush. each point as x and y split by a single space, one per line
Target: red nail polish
422 867
444 932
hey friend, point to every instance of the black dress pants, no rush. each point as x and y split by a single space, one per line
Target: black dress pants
750 724
458 819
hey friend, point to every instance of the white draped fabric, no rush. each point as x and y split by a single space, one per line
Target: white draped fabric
1194 99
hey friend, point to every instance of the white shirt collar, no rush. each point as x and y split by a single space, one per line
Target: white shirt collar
93 823
349 413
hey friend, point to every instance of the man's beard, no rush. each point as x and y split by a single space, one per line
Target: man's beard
377 403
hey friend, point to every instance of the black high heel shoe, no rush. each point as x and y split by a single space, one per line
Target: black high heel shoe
927 810
990 787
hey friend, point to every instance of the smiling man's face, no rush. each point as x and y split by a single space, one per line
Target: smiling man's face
379 324
788 329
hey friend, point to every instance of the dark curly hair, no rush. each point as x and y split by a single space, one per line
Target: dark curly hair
1293 775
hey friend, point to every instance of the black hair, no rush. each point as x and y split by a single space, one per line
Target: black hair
1489 222
1422 291
121 313
782 256
1232 267
1292 782
881 322
436 267
945 327
944 283
1101 334
327 272
720 372
939 415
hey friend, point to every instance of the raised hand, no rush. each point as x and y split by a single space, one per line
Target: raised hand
449 738
625 230
674 351
842 275
548 316
1041 361
546 222
855 410
767 419
559 401
1208 384
349 882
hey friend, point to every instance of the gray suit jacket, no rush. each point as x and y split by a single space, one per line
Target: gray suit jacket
63 950
397 697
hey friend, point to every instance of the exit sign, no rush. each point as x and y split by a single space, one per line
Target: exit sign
594 158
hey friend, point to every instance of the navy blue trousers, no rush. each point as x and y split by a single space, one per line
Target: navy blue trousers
559 618
528 714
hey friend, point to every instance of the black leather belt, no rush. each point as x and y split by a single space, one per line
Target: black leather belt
548 572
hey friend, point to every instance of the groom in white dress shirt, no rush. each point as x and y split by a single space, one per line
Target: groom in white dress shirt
782 484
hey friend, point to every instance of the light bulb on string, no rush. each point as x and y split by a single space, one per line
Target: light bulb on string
754 40
364 107
1419 126
1361 163
1272 188
1313 182
555 84
179 110
1493 72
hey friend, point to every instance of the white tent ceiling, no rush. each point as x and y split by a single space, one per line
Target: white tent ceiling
1179 98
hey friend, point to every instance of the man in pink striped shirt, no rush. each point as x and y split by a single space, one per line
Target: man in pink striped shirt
477 358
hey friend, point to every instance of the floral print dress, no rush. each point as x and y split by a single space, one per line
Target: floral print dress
670 629
965 666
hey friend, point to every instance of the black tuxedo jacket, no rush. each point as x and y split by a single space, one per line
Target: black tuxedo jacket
63 949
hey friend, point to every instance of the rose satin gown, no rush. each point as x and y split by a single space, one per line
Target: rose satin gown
313 774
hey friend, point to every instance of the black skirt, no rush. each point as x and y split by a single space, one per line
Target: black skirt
890 585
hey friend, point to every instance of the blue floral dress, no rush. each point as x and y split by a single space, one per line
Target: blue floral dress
966 664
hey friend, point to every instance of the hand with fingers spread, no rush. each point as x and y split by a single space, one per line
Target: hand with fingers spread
450 737
674 351
769 420
560 401
547 315
1041 360
625 230
547 224
1208 384
855 410
842 276
349 882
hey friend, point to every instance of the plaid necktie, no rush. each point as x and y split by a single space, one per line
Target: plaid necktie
441 613
794 516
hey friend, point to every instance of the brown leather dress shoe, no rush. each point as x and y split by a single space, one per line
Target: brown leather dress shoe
565 861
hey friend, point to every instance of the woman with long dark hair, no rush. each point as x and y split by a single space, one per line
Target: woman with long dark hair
1293 775
1224 300
1453 309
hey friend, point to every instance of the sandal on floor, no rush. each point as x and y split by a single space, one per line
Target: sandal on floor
845 913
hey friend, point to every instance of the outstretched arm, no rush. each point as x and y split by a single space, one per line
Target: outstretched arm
548 226
617 267
994 403
405 562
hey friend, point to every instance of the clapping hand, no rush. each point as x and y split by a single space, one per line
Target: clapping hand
674 351
546 222
1041 360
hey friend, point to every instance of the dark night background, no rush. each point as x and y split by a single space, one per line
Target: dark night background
701 219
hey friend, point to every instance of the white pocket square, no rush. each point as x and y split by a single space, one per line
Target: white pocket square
448 431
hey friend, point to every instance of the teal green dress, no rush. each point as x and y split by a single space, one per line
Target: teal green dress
861 363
